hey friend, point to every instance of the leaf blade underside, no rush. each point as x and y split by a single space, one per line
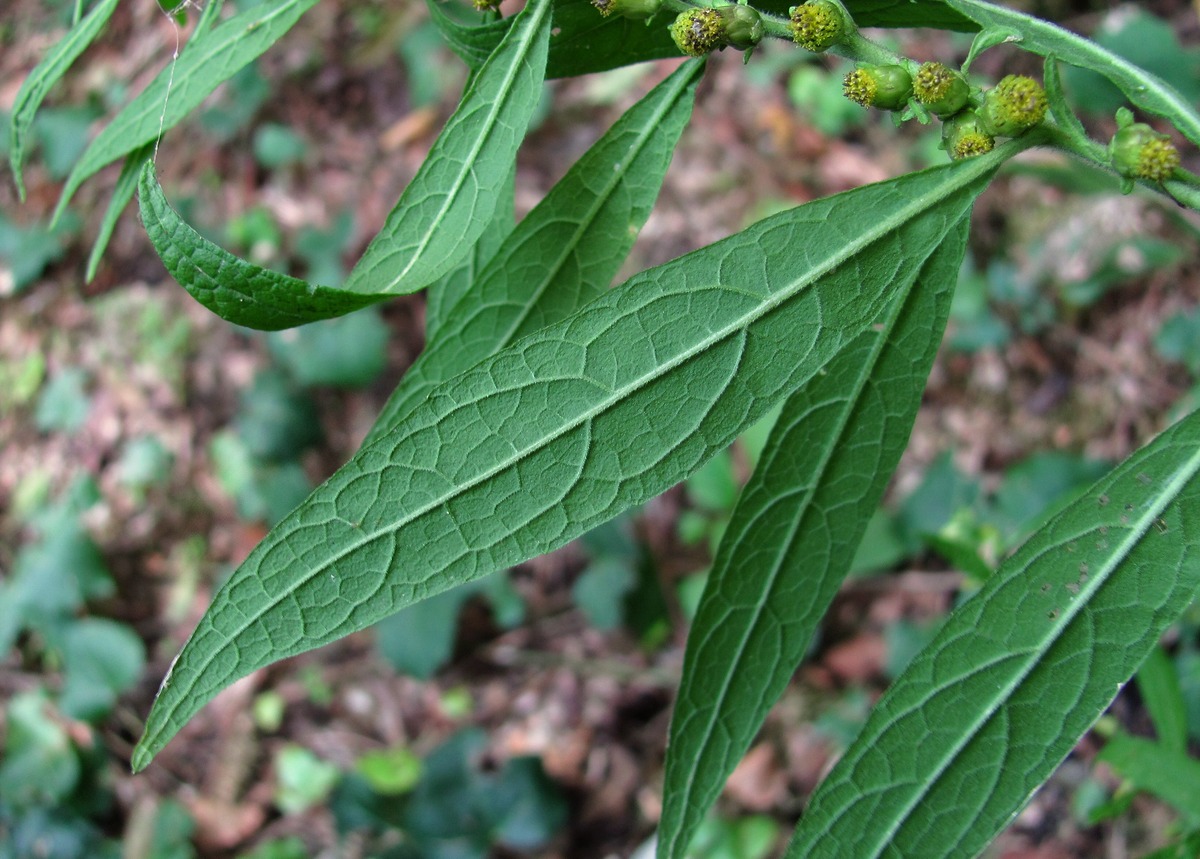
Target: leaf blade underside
792 537
962 739
570 426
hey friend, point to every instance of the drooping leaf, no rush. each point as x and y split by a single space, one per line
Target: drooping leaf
203 65
439 216
473 42
792 538
571 425
47 73
961 740
1143 89
566 251
452 197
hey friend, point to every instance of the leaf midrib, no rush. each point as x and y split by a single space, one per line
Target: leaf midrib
785 546
1033 656
877 231
515 66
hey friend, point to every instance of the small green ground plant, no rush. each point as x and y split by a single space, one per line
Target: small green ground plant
546 403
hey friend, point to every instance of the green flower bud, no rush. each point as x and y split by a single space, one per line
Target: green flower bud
1137 151
818 25
697 31
700 31
637 10
941 89
884 87
1014 106
964 136
743 26
486 5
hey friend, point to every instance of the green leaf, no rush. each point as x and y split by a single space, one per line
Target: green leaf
103 658
892 13
1158 769
451 199
40 765
571 425
46 75
1143 89
473 42
439 216
1158 683
584 41
793 535
566 251
1018 673
202 66
127 183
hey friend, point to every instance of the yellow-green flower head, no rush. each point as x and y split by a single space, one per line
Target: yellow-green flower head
1014 106
941 89
486 5
818 25
1137 151
885 87
698 31
638 10
963 136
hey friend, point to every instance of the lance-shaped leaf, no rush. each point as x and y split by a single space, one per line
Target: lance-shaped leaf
123 192
792 538
442 212
44 76
205 62
571 425
985 713
451 199
1147 91
567 250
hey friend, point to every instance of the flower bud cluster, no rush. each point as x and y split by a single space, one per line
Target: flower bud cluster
697 32
973 121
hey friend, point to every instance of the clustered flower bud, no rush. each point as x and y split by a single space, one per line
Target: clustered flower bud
941 89
697 31
1013 106
885 87
700 31
637 10
818 25
1137 151
964 136
486 5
